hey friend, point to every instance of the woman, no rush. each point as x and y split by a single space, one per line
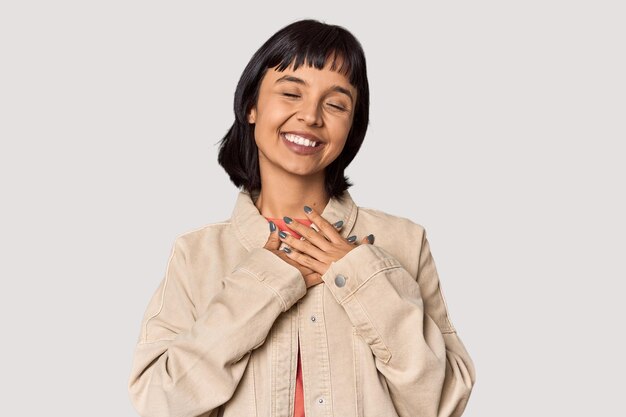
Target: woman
299 317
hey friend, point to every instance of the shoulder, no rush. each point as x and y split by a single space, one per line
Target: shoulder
391 222
401 237
202 237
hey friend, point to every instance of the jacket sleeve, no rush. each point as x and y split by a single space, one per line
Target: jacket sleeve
404 320
189 359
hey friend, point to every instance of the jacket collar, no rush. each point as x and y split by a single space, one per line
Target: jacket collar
252 229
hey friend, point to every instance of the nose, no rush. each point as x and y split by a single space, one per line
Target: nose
310 113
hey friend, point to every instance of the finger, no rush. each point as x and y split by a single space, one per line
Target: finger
283 255
313 279
310 234
273 241
326 229
305 260
302 245
337 225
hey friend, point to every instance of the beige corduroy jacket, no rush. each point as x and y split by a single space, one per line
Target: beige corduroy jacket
220 334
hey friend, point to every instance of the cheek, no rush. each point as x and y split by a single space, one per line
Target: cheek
340 137
271 118
342 130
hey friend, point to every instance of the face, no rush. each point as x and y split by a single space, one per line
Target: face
297 109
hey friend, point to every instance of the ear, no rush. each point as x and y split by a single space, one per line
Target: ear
252 115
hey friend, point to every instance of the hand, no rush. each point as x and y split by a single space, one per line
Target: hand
320 247
311 277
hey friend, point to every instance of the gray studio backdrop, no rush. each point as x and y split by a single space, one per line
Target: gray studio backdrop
510 113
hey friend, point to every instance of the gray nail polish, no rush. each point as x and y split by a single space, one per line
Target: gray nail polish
272 226
352 238
370 238
338 224
286 249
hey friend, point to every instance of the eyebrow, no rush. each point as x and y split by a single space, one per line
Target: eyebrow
291 78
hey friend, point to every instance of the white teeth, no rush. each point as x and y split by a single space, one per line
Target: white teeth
300 140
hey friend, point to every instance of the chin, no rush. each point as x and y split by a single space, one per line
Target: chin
302 173
300 170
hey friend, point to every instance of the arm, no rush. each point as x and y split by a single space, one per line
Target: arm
404 320
189 358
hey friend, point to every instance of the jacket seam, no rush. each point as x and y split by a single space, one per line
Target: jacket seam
156 341
253 379
206 226
357 369
451 328
167 278
379 337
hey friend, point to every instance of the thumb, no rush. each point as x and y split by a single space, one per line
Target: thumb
273 241
369 239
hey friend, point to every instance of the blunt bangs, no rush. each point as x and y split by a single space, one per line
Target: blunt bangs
324 45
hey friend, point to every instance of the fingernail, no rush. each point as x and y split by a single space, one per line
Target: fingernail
272 226
339 223
287 219
308 209
286 249
370 239
282 234
352 238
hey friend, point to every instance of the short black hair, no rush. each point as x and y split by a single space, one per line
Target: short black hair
308 42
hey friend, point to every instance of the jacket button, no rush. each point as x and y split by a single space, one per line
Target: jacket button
313 318
340 280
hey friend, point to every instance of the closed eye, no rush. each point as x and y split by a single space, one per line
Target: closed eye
337 107
291 95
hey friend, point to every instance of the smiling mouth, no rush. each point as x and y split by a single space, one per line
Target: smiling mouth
293 138
298 144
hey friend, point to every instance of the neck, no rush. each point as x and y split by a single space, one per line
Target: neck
287 195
